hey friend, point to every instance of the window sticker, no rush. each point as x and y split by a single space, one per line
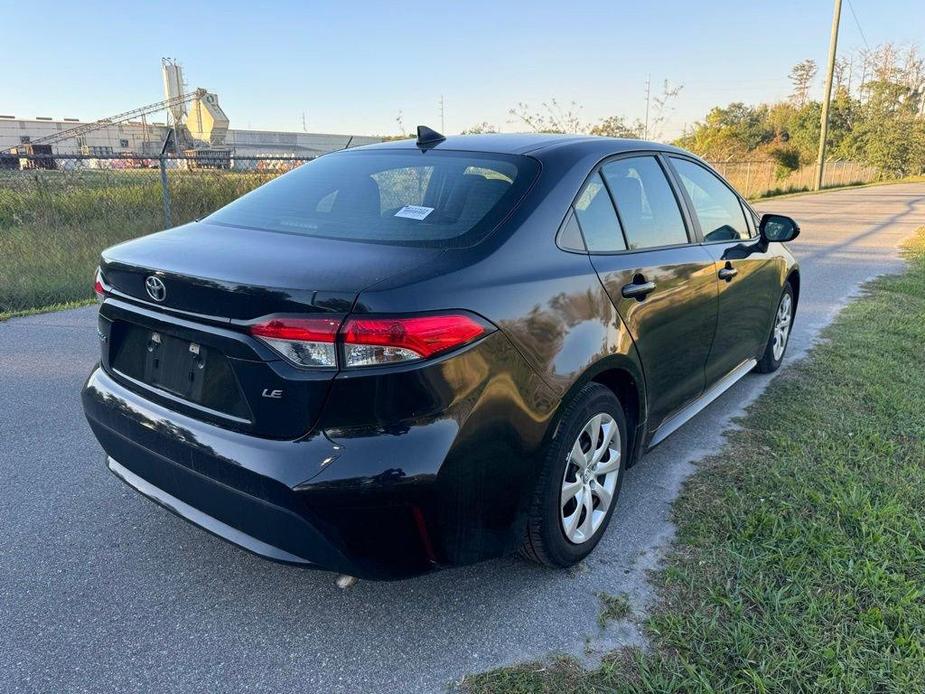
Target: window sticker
414 212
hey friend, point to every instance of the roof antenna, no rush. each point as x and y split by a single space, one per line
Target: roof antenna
427 137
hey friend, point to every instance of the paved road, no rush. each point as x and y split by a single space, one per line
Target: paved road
101 590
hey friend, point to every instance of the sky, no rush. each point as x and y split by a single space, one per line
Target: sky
352 67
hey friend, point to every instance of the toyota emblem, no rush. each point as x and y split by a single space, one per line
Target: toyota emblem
155 288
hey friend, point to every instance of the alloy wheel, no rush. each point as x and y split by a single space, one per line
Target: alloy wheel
590 478
782 326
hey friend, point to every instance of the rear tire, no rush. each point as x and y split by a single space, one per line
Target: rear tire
580 482
776 348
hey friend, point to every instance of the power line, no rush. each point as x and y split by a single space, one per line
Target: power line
858 24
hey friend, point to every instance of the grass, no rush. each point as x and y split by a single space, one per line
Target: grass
796 192
613 608
54 224
561 674
6 315
800 558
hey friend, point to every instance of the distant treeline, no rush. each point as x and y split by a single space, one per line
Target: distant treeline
877 117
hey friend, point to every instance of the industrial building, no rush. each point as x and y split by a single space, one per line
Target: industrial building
196 125
137 137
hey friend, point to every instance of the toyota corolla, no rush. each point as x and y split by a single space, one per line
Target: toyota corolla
427 353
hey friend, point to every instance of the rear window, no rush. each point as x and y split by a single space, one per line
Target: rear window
428 198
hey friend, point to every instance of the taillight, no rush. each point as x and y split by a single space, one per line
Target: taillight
367 341
371 341
99 287
303 341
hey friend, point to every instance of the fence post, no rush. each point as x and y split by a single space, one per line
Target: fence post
748 176
165 192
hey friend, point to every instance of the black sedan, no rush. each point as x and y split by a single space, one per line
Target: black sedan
426 353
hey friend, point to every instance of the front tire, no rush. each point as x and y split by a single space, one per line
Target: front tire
582 474
780 333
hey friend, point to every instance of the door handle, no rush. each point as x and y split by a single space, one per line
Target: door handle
728 272
638 289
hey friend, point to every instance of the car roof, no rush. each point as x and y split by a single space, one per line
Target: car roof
527 143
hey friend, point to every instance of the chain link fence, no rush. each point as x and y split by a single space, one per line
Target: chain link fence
755 179
57 212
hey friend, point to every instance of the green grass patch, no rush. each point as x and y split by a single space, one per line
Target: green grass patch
797 192
6 315
54 224
560 674
800 559
613 608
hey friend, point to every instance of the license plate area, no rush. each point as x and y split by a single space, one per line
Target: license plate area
175 365
183 368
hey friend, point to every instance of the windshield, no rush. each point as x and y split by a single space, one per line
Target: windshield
414 197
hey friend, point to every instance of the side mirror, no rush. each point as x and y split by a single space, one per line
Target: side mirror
777 227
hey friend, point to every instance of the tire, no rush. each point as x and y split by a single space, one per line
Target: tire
548 540
773 357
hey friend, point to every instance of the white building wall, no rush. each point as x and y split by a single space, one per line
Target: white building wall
130 138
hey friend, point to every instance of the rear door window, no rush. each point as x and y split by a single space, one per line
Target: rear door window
646 203
412 197
718 209
597 219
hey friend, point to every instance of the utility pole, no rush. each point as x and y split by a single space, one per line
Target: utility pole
645 135
827 96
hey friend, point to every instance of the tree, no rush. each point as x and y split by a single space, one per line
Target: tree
841 74
802 75
551 117
891 135
616 126
482 128
882 122
728 132
662 108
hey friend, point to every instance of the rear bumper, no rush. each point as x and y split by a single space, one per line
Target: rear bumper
416 467
203 520
259 494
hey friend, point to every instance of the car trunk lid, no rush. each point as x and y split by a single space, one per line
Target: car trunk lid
233 274
188 348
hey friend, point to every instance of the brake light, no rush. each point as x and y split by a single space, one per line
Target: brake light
99 287
371 341
303 341
367 341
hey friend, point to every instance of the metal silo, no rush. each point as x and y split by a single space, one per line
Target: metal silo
174 87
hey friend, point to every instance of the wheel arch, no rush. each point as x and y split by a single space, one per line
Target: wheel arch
623 376
794 279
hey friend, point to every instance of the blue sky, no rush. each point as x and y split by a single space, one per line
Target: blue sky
352 66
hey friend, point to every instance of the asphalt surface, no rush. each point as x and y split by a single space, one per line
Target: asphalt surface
101 590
